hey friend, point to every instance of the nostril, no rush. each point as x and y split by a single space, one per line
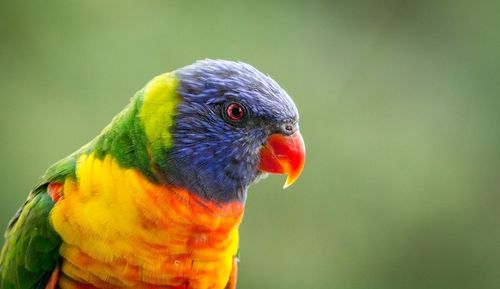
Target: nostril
285 128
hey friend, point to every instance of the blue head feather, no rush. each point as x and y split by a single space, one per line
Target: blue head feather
212 157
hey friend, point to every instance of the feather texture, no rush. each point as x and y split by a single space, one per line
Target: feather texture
30 252
121 230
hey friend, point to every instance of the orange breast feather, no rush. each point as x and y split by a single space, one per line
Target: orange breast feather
122 231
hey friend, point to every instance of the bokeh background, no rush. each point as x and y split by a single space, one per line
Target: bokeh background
400 110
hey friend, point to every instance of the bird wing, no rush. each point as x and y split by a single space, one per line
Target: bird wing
31 250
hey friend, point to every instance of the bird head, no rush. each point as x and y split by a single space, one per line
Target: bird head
225 125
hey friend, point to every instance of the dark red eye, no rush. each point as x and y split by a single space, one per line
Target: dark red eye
235 111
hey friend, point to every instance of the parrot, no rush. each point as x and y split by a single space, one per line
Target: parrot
157 198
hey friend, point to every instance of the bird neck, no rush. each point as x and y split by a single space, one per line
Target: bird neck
124 139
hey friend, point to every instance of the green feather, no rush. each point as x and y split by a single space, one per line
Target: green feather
125 139
31 248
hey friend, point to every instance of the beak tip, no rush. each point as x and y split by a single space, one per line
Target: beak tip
290 181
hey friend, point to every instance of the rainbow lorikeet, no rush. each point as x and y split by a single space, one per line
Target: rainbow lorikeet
155 201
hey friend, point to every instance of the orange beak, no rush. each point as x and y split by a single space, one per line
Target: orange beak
283 155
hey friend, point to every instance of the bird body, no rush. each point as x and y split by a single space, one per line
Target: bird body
187 240
155 201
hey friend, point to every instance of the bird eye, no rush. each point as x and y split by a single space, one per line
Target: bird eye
235 111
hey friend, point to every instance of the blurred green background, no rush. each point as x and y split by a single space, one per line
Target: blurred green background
400 110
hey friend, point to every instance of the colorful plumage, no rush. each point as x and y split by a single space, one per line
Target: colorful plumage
155 201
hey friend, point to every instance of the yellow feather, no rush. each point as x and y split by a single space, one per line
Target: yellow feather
158 108
121 230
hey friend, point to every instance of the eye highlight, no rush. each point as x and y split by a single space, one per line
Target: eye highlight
235 112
